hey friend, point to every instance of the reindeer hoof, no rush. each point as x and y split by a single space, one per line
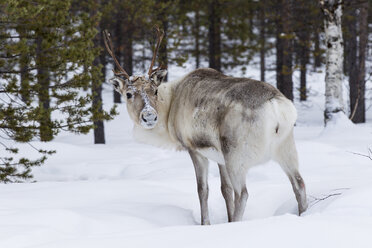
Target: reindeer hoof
302 209
205 223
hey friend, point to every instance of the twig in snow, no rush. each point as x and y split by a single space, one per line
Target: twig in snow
324 197
369 155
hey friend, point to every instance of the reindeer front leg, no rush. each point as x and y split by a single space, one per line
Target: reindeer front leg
201 170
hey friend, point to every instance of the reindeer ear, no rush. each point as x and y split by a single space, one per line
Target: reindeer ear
118 83
158 76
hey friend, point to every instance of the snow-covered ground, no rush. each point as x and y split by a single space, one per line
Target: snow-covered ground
125 194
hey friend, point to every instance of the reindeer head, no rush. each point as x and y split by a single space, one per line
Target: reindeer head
141 91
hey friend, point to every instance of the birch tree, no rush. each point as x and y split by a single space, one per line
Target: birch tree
332 10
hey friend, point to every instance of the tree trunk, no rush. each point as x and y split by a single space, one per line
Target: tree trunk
163 49
99 129
317 52
304 38
303 71
118 47
332 10
262 41
284 50
317 15
25 78
214 35
103 60
251 18
46 132
128 52
301 15
24 62
279 54
351 52
358 111
197 39
348 24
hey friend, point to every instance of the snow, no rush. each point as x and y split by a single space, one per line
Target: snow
126 194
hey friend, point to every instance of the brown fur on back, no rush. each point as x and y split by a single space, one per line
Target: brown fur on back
203 98
208 86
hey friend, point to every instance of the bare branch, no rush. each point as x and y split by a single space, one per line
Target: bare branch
369 155
325 197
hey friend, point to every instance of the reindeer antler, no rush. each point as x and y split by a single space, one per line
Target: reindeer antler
110 49
160 36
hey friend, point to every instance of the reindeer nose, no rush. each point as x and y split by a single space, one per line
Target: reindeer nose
149 118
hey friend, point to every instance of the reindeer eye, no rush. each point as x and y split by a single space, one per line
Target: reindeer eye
156 92
129 95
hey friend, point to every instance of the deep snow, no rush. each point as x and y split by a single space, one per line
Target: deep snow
126 194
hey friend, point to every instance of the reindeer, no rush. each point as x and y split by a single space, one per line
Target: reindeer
237 122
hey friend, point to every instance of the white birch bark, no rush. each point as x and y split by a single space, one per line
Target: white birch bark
332 10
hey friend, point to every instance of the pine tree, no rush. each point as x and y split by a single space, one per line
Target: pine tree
45 72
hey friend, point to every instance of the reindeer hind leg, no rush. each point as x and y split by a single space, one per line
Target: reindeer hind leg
227 191
286 156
